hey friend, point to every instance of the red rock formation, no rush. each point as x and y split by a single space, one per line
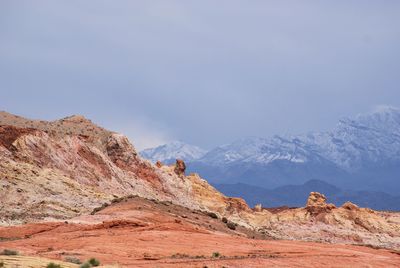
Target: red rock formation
316 204
68 167
180 167
140 233
159 164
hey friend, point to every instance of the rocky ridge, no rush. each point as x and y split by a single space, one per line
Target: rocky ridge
68 167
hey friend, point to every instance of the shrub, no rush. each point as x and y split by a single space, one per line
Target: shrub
180 256
9 252
1 264
85 265
224 220
212 215
95 210
94 262
231 225
73 260
216 255
53 265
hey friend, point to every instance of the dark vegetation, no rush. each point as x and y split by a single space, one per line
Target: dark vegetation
53 265
9 252
212 215
73 260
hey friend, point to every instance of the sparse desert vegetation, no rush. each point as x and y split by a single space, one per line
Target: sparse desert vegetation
53 265
9 252
73 260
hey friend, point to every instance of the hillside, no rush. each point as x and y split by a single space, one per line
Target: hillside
67 167
71 176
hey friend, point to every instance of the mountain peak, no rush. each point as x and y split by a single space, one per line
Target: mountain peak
386 109
169 152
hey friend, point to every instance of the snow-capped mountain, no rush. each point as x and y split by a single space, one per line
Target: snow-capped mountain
359 153
368 138
168 153
260 151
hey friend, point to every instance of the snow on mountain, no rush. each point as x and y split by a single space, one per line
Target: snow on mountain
359 153
259 150
168 153
368 138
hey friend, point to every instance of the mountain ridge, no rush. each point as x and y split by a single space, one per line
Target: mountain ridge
294 195
168 153
359 153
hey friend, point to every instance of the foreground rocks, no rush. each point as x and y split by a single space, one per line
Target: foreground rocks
136 232
67 167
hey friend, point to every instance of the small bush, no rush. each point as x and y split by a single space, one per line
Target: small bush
224 220
212 215
94 262
1 264
9 252
231 225
73 260
180 256
53 265
216 255
95 210
85 265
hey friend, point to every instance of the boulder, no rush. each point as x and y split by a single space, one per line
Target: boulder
316 199
316 204
349 206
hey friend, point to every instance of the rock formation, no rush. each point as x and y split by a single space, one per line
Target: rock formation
180 167
350 206
316 204
68 167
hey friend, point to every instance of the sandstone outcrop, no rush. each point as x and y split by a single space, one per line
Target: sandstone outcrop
316 199
137 232
180 167
68 167
349 206
316 204
258 208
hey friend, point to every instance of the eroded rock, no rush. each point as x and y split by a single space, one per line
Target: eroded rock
350 206
180 167
316 199
316 204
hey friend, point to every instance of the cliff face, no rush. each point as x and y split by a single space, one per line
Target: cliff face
65 168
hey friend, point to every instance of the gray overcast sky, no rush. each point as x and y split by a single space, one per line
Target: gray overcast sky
205 72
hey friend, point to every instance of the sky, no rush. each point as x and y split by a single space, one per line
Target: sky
203 72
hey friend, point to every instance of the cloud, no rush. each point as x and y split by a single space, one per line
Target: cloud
142 132
207 72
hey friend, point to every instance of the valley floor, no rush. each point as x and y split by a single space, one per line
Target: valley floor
142 233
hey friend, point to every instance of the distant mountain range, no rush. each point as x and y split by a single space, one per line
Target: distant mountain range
359 154
294 195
